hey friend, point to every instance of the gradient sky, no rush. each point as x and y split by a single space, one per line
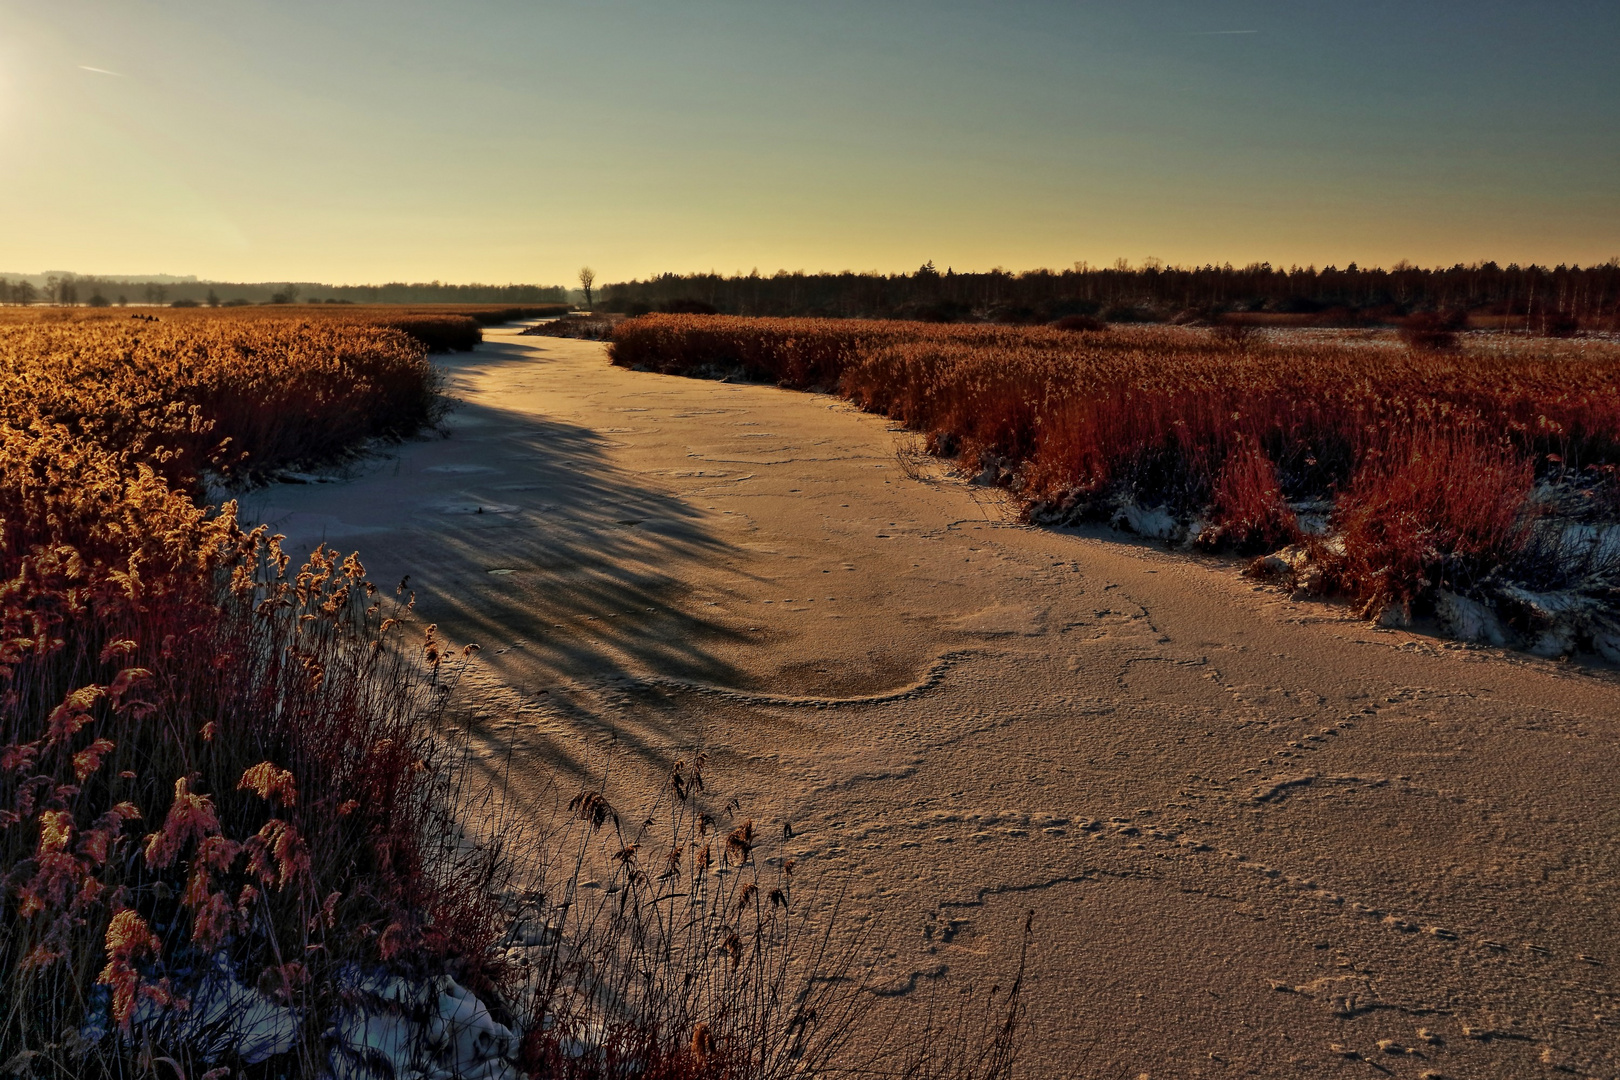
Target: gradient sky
513 140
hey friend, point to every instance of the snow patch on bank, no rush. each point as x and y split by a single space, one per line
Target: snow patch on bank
1468 620
388 1027
1581 558
223 1017
393 1028
1156 523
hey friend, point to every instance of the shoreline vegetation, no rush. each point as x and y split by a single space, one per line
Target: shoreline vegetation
1469 477
212 758
238 835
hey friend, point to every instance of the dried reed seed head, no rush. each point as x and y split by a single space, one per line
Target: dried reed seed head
55 830
740 843
88 761
686 777
592 807
672 862
270 782
129 937
703 1046
191 818
72 714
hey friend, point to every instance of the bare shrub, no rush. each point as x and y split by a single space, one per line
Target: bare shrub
1556 324
1080 324
1435 510
1235 332
1429 331
910 450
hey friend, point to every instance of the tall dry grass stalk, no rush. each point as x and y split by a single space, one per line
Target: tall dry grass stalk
678 944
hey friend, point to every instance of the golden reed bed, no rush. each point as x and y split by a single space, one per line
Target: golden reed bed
206 749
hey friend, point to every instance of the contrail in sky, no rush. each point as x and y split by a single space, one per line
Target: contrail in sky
101 71
1208 33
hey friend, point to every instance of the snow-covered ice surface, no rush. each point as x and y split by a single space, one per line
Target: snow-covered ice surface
1291 559
1314 516
1559 621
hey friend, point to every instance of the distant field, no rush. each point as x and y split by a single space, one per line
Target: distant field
1402 471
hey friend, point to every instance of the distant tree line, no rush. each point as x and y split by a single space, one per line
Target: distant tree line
1148 292
73 289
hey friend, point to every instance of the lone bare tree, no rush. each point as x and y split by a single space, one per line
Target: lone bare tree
587 278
